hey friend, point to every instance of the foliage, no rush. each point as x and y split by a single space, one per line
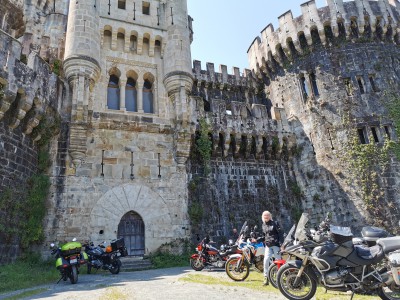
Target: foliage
27 272
10 208
203 145
391 101
168 259
295 189
195 212
56 67
275 145
23 59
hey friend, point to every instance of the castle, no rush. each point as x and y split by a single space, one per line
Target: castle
128 107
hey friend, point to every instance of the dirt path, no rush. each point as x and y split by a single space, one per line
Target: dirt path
149 284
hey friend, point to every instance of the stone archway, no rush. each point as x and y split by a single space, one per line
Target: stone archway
115 203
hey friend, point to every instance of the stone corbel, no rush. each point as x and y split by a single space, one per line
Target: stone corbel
5 102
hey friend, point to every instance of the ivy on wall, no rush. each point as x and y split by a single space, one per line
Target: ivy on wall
204 145
24 208
391 102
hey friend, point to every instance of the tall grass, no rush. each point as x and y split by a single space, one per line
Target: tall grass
27 272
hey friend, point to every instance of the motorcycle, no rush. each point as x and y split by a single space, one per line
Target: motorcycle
337 264
106 257
209 255
238 265
69 257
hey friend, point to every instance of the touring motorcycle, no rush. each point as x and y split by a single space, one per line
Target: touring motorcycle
337 264
69 257
211 256
106 257
252 253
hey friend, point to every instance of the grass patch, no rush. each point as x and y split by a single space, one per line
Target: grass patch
114 293
26 273
167 260
26 294
255 280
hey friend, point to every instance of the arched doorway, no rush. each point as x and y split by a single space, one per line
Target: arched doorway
131 228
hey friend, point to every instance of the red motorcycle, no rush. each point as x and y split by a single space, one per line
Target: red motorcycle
208 255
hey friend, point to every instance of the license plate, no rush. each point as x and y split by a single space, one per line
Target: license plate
73 261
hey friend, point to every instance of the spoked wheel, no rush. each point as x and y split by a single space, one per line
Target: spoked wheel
391 292
74 274
272 272
116 266
235 272
304 290
197 264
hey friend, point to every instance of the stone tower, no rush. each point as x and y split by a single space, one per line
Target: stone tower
335 71
121 173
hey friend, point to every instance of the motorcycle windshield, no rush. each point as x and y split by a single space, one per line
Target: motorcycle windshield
290 235
300 234
243 228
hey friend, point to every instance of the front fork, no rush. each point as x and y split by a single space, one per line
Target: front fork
239 263
298 276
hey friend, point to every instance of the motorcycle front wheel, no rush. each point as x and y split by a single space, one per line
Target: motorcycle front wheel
391 292
74 274
304 290
234 272
197 264
116 266
272 272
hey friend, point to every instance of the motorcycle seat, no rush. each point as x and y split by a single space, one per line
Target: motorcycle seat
389 244
368 253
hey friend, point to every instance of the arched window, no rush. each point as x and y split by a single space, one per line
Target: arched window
148 106
120 41
131 95
107 39
113 93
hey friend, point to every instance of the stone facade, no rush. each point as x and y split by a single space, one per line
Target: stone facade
125 163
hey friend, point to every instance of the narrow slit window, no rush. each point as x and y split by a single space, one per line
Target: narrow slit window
362 136
313 80
373 84
348 85
387 131
375 134
360 85
304 88
146 8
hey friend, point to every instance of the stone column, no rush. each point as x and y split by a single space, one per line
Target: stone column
122 105
139 85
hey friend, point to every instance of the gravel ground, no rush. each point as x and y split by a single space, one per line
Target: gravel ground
149 284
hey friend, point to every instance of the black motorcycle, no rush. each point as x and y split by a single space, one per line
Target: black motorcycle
337 264
106 257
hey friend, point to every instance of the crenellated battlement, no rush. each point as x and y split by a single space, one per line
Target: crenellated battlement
354 20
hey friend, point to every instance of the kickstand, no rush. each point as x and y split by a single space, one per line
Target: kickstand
60 279
326 290
352 295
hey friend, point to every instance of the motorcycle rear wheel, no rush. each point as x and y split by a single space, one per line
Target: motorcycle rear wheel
197 264
116 266
74 274
304 290
234 273
389 293
272 273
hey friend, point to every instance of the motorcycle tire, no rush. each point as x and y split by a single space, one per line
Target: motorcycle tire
272 272
285 279
116 266
74 274
384 292
197 264
232 271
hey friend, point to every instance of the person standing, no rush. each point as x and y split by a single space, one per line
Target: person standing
273 239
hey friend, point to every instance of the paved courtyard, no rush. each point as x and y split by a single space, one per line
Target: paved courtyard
149 284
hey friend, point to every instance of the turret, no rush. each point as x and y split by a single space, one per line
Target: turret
81 68
178 77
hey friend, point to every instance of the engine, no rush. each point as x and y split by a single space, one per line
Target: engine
259 262
336 277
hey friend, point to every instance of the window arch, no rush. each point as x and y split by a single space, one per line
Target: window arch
113 89
131 91
107 38
148 101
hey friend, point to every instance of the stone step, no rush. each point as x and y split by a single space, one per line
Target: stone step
135 263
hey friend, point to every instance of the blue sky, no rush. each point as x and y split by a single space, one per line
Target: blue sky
225 29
